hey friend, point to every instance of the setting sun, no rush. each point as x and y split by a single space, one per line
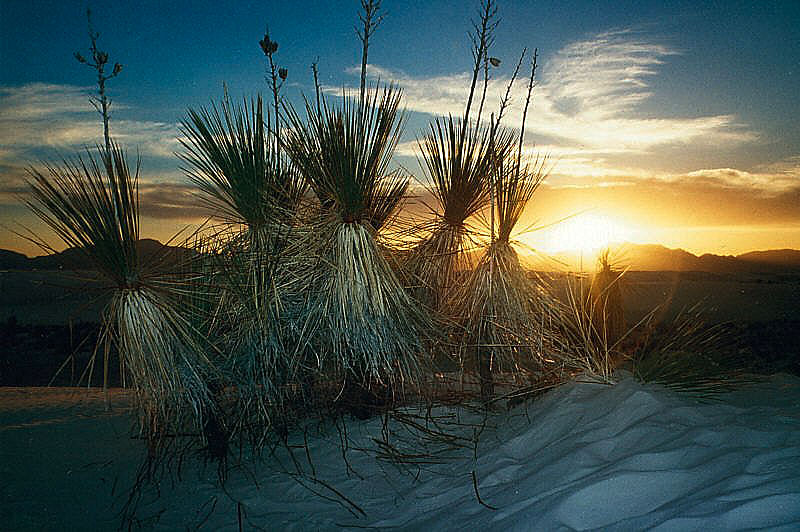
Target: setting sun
585 232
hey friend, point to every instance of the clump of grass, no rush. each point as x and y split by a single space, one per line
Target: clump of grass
685 355
590 334
691 357
580 345
93 206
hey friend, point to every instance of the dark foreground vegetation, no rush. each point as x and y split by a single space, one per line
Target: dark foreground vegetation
59 355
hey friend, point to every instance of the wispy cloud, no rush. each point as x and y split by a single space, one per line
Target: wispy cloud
589 96
773 179
36 101
589 116
592 90
171 201
52 121
573 167
59 117
603 77
162 197
12 185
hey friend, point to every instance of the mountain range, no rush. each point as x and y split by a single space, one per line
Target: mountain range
655 257
636 257
75 259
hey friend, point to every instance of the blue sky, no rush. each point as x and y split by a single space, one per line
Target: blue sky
678 120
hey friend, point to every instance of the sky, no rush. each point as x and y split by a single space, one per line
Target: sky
663 122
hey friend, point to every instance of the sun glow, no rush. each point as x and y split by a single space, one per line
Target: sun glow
586 232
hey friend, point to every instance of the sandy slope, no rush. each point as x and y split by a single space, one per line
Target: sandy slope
584 456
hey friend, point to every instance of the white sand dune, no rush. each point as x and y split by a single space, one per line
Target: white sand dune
584 456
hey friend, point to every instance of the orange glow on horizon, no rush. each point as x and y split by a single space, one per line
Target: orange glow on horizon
586 232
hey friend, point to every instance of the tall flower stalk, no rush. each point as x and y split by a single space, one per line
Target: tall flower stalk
98 61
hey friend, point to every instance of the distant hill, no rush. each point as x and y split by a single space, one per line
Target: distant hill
75 259
654 257
777 257
11 260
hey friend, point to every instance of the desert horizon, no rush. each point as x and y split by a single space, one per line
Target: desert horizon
625 255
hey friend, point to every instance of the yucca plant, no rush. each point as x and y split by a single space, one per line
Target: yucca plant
361 321
238 167
93 206
495 307
251 322
246 181
458 161
501 307
606 296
